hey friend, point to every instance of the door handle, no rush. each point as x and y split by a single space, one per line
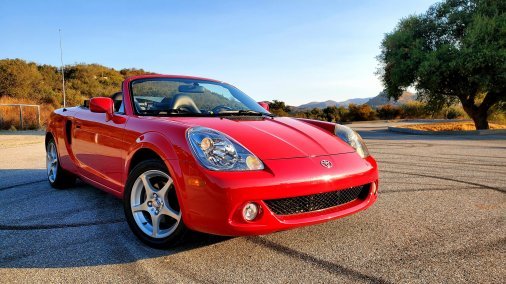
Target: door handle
78 125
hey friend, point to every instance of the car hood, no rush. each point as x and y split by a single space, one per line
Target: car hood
278 138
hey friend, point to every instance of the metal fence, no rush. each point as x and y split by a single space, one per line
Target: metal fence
21 106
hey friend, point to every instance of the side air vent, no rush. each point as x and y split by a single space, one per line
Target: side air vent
68 131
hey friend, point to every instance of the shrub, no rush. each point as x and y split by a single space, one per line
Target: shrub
317 113
498 114
414 109
361 112
301 115
343 114
279 108
334 113
388 112
454 112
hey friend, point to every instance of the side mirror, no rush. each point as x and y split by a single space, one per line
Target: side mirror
102 105
264 105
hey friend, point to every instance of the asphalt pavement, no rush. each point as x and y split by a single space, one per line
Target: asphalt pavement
440 217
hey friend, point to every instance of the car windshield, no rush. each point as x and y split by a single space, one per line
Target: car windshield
174 96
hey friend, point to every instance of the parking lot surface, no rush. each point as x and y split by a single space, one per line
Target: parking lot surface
440 217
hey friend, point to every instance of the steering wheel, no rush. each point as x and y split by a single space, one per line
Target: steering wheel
220 107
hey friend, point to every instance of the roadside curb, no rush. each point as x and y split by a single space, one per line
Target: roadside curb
454 133
406 120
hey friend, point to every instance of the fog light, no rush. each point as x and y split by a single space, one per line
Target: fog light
250 211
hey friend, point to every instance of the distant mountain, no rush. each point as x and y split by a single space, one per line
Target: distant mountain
318 104
357 101
382 99
328 103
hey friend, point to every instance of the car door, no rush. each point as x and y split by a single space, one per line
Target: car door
99 147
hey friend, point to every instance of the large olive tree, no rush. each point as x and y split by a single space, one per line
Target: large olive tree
454 51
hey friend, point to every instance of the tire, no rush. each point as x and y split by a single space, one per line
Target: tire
150 198
56 175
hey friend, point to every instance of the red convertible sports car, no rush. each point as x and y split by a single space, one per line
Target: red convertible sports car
187 153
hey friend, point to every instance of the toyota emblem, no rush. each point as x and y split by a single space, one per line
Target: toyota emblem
326 164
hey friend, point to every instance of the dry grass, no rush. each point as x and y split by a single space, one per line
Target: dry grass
450 126
9 116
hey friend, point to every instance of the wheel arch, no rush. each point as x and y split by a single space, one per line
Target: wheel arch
142 154
151 145
48 137
155 146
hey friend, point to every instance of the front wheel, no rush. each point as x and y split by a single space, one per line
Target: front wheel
56 175
151 205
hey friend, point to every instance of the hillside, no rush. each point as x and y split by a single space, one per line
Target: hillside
328 103
382 99
357 101
42 84
318 104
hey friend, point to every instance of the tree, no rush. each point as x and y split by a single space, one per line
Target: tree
388 112
456 51
361 112
331 113
19 79
279 108
317 113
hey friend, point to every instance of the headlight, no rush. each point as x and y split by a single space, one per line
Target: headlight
215 151
351 137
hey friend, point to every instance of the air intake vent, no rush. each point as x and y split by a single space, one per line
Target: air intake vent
309 203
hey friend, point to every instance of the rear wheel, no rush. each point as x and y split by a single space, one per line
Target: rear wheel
152 207
56 175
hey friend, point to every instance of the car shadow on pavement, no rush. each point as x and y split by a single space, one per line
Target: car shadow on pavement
42 227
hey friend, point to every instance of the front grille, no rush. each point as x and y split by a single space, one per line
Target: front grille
314 202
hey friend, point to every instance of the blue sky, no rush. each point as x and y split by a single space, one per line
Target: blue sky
294 51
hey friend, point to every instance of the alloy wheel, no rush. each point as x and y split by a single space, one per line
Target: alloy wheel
154 204
51 162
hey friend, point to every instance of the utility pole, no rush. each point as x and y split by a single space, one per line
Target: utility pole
62 70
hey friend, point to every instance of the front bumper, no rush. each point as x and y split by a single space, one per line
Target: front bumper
212 201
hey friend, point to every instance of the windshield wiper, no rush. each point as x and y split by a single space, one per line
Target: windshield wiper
243 112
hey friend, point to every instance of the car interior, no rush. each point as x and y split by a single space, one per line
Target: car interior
178 101
117 98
